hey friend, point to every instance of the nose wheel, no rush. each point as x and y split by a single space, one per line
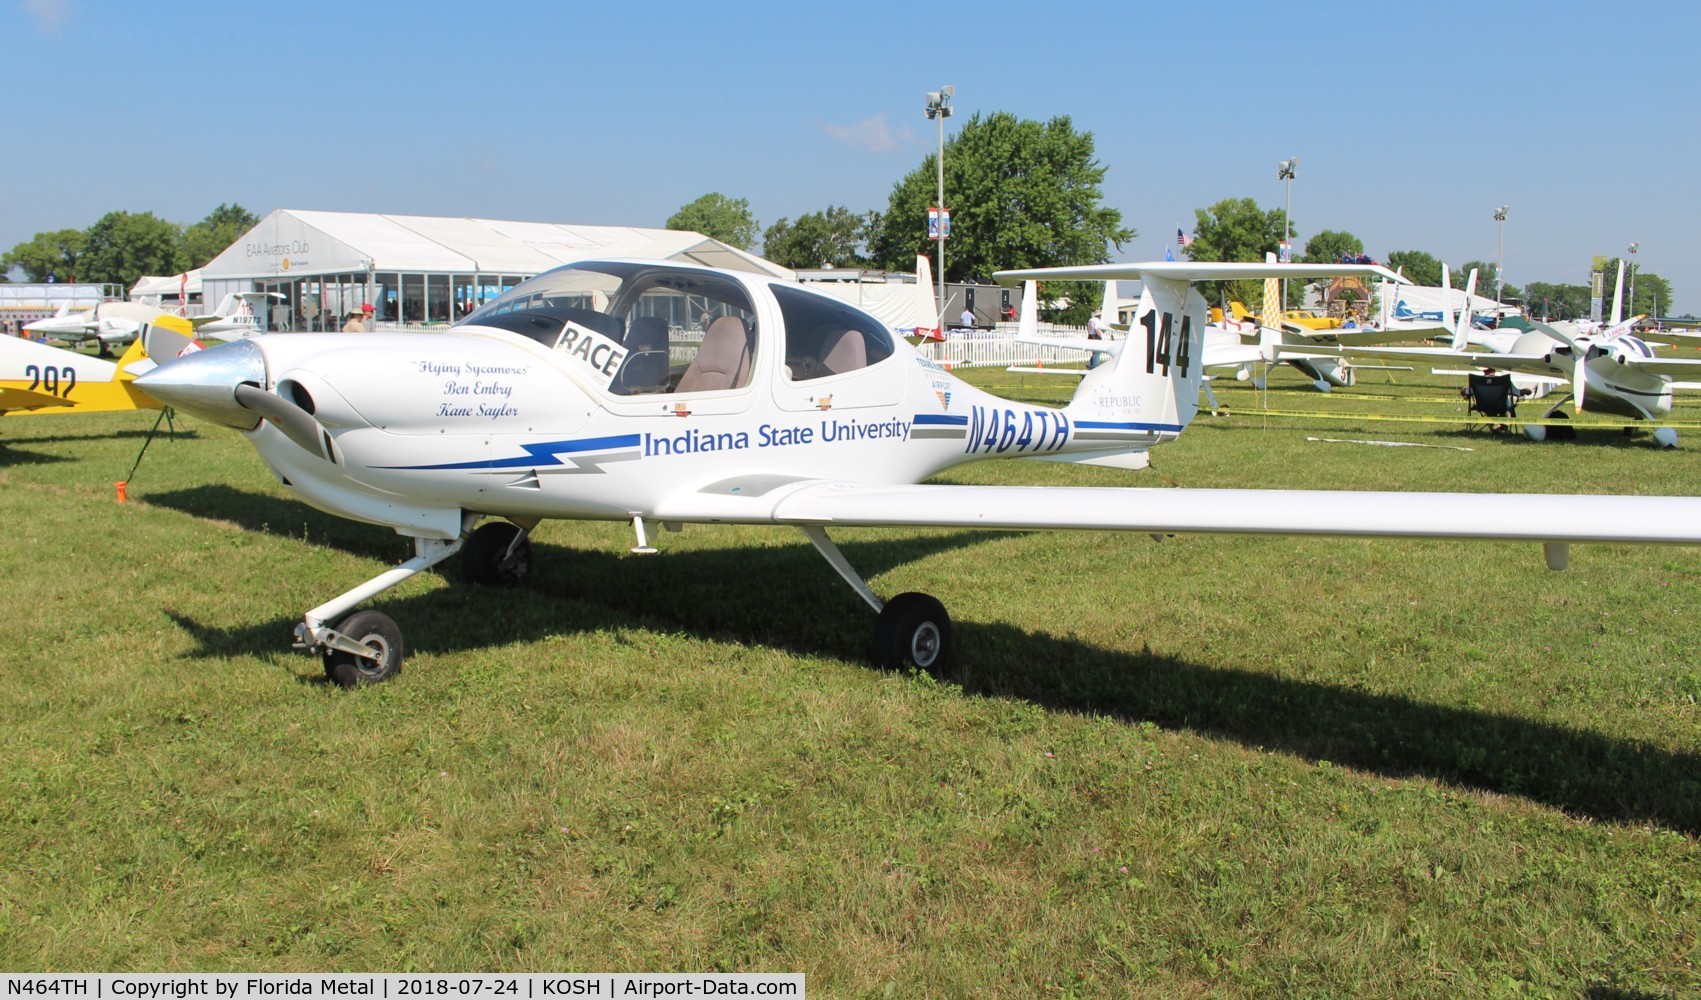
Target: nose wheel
365 647
378 633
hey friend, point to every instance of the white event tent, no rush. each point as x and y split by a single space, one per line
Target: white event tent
423 270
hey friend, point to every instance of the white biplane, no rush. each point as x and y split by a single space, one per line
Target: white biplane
655 392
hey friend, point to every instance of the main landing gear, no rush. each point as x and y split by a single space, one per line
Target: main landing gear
365 647
912 630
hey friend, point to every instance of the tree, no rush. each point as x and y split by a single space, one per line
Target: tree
1651 291
833 238
718 217
1331 247
1021 194
213 235
1653 294
1235 229
1543 300
55 253
123 246
1419 268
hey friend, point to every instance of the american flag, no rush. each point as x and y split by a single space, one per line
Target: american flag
1181 238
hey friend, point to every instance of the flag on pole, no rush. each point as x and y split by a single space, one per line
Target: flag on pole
1169 254
1181 237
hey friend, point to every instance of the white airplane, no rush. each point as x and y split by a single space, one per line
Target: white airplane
115 324
109 324
589 392
1237 343
239 316
1609 372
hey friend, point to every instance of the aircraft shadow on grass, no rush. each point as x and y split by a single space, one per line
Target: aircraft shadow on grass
731 595
283 517
11 454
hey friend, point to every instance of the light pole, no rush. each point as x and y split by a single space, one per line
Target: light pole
1630 307
1500 259
1284 173
939 109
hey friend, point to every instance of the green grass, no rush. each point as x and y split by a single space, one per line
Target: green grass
1202 766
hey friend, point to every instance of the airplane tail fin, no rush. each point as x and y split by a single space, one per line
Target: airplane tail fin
1148 390
1151 384
1462 329
924 279
163 338
1618 297
1028 322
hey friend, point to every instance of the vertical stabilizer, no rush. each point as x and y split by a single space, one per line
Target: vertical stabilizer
1462 329
1618 297
1152 384
1028 325
935 329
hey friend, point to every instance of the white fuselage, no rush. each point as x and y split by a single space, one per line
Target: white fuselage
488 421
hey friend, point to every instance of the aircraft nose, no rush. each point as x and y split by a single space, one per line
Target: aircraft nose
204 383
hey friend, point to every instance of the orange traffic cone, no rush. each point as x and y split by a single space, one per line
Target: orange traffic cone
122 485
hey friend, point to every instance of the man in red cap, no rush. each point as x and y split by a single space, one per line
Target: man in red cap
359 322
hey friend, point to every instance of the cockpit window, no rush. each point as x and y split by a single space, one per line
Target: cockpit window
828 337
639 329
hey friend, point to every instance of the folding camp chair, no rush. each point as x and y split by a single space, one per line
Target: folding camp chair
1493 397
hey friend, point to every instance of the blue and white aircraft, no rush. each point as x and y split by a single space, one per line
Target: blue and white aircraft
652 391
1612 371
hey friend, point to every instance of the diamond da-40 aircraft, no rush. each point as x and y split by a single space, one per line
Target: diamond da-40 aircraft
652 391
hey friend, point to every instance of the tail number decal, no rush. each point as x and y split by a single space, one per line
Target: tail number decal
1163 348
994 431
51 379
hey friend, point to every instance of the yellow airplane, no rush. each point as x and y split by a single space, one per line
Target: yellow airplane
37 379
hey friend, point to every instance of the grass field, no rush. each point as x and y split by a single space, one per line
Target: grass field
1201 766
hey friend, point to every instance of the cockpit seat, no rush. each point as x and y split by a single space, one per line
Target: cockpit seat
723 360
843 351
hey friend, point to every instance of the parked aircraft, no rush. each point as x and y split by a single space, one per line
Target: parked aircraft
36 378
586 392
114 324
108 324
1608 372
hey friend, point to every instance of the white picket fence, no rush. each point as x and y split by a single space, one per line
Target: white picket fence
998 347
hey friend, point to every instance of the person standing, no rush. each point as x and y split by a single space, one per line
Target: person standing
359 322
967 319
1095 331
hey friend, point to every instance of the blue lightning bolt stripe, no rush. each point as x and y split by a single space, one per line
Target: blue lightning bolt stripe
541 453
948 420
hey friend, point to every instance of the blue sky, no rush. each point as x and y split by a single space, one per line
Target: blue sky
618 114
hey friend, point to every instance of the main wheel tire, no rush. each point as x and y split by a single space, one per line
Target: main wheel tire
913 631
485 559
375 629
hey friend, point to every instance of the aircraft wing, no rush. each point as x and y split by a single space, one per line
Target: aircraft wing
1525 517
1071 343
1219 355
1185 270
1371 338
1523 364
1674 367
